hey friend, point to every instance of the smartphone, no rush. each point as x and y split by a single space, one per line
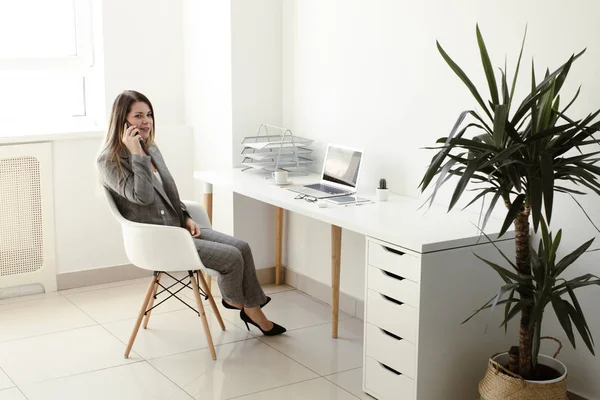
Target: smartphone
142 141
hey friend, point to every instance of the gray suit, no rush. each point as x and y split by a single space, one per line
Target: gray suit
140 197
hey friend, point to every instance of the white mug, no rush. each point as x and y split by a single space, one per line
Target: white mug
280 176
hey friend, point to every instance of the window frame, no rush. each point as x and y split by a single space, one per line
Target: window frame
82 64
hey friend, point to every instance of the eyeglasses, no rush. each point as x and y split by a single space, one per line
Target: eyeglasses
310 199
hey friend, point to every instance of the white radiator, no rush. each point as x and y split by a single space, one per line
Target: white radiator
27 216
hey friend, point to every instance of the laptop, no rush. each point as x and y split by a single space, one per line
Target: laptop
340 174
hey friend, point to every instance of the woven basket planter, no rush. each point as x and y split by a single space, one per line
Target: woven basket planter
500 384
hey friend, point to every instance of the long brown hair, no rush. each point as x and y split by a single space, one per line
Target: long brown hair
113 144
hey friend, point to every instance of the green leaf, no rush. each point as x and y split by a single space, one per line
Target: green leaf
479 310
483 192
491 209
438 159
533 102
505 274
514 209
513 313
586 214
512 264
514 83
572 101
562 313
535 198
578 318
507 310
460 73
555 246
500 116
547 183
487 67
441 179
546 239
571 258
502 292
546 108
472 166
535 348
505 95
541 88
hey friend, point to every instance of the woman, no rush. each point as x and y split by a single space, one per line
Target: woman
132 167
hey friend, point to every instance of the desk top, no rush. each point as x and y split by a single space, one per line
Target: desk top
397 221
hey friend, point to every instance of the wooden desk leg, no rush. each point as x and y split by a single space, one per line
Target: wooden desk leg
208 206
336 256
278 245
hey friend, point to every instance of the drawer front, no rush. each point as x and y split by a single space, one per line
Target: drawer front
391 350
394 261
386 384
399 319
394 286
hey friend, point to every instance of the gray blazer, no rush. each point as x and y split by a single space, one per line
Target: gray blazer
138 194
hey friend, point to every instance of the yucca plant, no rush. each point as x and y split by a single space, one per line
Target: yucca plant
520 154
545 286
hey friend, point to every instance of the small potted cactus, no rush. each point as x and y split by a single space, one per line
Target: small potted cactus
382 191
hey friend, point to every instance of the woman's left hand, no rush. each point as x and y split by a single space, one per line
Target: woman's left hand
191 226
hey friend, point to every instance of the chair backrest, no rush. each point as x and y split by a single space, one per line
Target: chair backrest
156 247
113 206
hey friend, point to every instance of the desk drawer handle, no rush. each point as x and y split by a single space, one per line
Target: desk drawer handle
390 334
388 298
390 369
398 277
400 253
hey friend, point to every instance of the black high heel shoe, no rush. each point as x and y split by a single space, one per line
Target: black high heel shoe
229 306
274 331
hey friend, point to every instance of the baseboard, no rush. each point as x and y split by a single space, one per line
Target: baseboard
99 276
266 276
322 292
125 272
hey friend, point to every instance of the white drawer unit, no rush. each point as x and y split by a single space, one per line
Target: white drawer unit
393 316
386 383
414 305
394 286
394 260
391 350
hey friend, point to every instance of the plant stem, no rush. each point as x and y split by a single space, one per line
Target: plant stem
523 261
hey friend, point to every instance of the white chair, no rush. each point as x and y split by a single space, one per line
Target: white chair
164 250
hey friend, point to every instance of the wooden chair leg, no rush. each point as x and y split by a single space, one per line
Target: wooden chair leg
151 303
211 299
143 309
202 315
208 282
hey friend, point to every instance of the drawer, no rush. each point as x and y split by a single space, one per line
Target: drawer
386 383
393 286
394 261
391 350
399 319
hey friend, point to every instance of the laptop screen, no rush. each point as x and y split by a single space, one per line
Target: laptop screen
342 166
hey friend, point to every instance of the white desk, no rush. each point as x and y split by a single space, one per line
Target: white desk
421 282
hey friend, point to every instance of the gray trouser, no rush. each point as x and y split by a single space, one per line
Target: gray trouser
233 259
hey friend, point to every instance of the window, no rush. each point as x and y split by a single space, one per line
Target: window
47 73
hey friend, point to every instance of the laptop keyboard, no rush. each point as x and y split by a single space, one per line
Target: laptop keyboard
327 189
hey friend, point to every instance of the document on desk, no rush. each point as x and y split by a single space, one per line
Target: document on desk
348 200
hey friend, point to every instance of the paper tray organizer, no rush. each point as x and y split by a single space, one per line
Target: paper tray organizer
275 147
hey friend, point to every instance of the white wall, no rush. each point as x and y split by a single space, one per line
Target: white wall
367 74
142 50
208 94
232 85
256 61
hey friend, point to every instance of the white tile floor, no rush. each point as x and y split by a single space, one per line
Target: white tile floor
70 344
